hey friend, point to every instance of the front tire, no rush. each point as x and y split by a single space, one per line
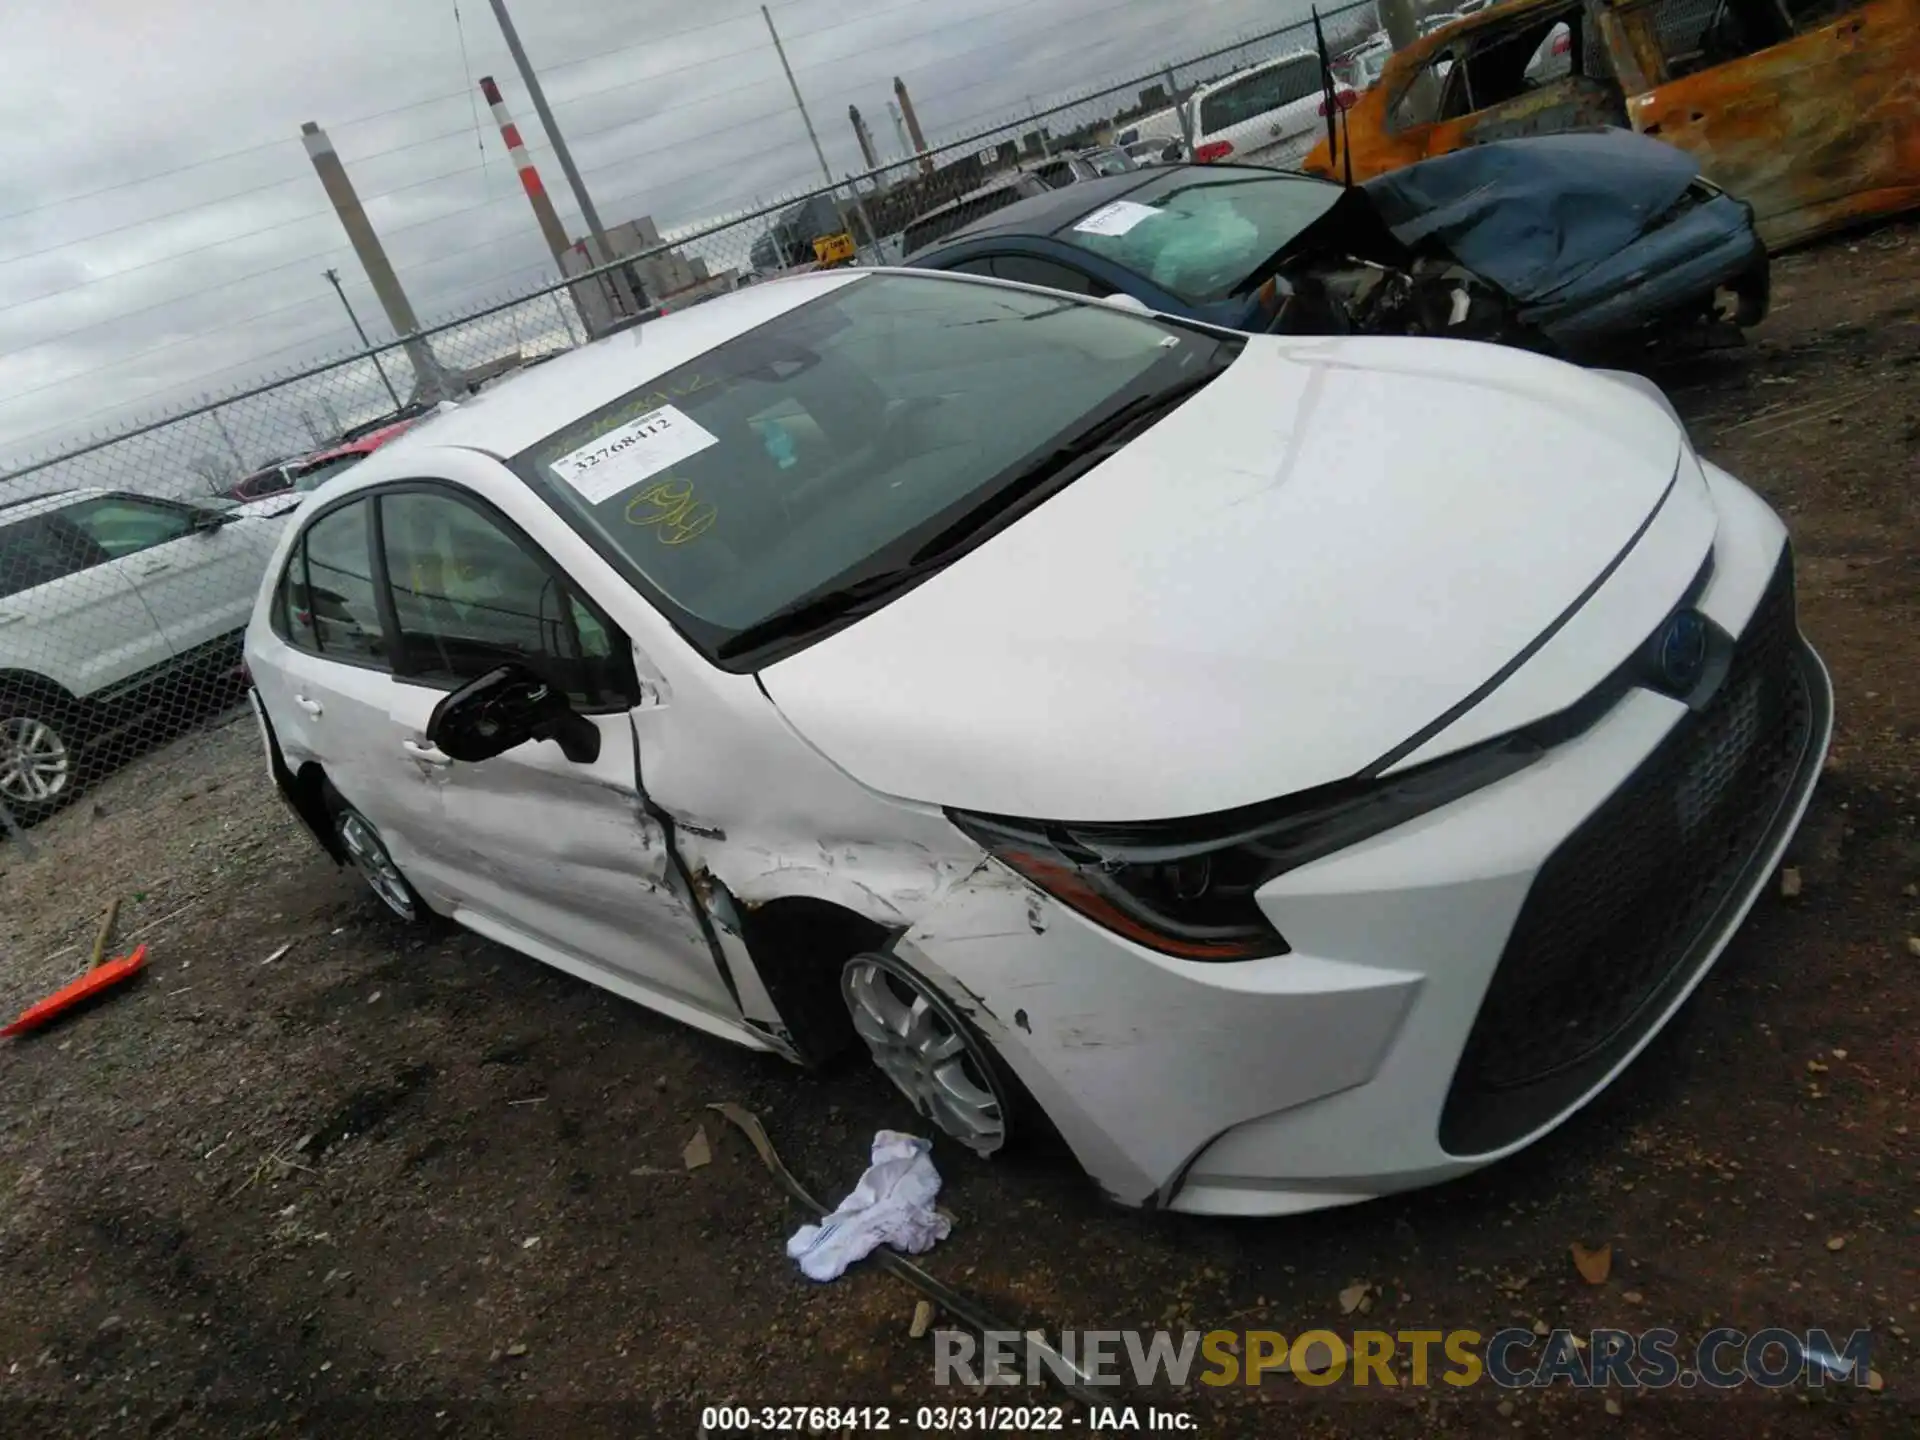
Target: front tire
933 1056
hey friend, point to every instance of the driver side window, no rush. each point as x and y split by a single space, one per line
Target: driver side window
123 525
468 595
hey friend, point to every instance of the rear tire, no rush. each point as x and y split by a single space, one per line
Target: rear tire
367 855
40 761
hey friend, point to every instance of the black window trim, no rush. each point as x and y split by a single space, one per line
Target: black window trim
622 680
298 555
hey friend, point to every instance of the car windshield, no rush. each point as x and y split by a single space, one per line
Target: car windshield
839 440
324 471
1199 234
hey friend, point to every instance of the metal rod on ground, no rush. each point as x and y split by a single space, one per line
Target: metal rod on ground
12 827
793 85
101 940
602 250
360 330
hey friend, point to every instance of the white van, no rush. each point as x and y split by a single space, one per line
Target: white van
1160 125
1267 115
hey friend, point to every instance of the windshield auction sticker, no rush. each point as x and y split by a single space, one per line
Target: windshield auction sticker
636 451
1116 219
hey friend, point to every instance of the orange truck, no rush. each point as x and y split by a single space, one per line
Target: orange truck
1809 110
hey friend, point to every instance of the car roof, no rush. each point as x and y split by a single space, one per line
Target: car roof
364 446
1225 80
1044 214
532 404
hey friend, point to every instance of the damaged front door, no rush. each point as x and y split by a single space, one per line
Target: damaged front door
1539 72
552 856
1809 110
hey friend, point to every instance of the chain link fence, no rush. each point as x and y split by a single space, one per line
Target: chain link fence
129 564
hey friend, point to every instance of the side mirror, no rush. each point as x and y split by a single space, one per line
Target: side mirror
1120 300
507 707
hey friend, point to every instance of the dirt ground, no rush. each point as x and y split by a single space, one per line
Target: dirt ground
372 1184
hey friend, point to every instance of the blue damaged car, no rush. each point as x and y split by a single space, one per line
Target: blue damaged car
1577 244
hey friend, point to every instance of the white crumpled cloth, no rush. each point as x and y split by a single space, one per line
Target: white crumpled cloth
892 1205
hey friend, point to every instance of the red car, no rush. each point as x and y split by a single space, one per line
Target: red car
300 476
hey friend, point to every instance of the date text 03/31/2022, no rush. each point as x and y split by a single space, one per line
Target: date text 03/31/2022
937 1419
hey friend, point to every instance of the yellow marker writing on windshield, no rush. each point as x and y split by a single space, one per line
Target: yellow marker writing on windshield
670 507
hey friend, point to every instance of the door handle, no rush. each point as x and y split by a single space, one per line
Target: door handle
312 707
8 617
154 567
426 754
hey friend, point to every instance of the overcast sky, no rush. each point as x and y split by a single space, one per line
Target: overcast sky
162 233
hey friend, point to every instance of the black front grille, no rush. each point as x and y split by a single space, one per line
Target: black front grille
1611 925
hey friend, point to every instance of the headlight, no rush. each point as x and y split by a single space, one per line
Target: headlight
1186 887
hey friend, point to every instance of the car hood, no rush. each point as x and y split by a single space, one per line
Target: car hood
1534 215
1312 560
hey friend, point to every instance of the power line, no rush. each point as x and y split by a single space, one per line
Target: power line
655 182
652 41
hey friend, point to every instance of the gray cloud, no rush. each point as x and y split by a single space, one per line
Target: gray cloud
162 234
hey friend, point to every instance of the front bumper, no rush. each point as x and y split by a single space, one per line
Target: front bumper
1458 986
1669 275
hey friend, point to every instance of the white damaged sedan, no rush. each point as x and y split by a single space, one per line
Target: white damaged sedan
1293 769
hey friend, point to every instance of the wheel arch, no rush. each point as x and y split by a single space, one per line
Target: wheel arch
31 682
305 791
798 944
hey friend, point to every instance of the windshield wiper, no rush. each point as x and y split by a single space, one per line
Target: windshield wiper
811 610
1048 472
1068 461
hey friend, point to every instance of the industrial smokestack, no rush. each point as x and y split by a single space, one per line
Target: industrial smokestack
543 211
913 125
861 134
899 128
429 381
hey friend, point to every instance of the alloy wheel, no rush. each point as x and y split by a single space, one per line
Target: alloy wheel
368 854
36 765
927 1050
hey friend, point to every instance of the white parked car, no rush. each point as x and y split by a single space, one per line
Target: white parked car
1267 115
111 605
1086 712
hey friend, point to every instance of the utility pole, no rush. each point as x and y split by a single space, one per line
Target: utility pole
1401 20
793 85
602 251
429 379
358 329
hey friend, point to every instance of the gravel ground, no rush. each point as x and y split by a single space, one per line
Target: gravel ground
381 1184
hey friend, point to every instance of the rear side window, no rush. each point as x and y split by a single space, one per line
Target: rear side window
1259 94
41 549
123 525
942 223
333 604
